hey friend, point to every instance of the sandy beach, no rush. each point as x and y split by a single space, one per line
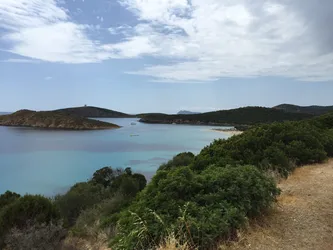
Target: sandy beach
228 132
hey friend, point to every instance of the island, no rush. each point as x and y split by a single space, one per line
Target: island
186 112
93 112
245 117
52 120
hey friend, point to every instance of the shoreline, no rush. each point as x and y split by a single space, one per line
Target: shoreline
227 131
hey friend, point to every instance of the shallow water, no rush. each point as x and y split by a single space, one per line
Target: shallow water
48 162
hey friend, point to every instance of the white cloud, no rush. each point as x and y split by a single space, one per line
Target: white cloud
40 29
228 39
200 40
15 60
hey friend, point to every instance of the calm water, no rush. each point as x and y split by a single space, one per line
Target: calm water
48 162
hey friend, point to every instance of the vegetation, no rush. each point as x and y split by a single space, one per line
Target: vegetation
52 120
89 112
314 110
39 221
198 201
25 210
240 116
200 207
222 187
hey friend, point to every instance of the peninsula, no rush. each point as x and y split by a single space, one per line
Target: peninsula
52 120
246 116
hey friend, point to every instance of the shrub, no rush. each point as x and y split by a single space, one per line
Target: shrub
180 160
104 185
271 147
36 236
7 198
27 209
218 201
81 196
129 184
105 176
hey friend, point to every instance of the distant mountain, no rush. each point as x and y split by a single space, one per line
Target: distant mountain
314 110
52 120
93 112
185 112
240 116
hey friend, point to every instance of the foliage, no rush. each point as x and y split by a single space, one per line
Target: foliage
218 201
240 116
105 176
81 196
277 147
314 110
36 236
26 209
182 159
104 184
7 198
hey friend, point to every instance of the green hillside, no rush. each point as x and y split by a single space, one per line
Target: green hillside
93 112
314 110
240 116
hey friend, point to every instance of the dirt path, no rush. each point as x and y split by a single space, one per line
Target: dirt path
303 218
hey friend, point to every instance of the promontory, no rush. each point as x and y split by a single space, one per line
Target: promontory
52 120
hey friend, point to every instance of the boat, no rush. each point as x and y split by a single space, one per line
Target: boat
133 123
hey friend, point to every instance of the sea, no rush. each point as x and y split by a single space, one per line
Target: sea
48 162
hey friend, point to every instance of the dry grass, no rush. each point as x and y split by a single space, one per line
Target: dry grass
171 243
75 243
303 217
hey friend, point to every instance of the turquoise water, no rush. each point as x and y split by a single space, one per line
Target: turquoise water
48 162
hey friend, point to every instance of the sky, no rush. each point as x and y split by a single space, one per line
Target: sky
140 56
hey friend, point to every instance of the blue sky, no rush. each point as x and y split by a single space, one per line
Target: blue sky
164 55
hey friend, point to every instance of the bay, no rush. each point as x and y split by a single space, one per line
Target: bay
50 161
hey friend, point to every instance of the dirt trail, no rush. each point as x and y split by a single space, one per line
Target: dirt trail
303 218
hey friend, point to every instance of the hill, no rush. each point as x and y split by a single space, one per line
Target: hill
240 116
314 110
52 120
93 112
186 112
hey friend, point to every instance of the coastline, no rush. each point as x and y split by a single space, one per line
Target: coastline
227 131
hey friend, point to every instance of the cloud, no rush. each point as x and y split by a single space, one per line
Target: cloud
48 78
199 41
40 29
213 39
15 60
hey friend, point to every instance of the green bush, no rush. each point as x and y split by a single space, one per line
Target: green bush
275 147
104 185
105 176
81 196
7 198
25 210
180 160
219 201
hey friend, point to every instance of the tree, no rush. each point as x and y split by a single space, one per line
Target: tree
7 198
105 176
